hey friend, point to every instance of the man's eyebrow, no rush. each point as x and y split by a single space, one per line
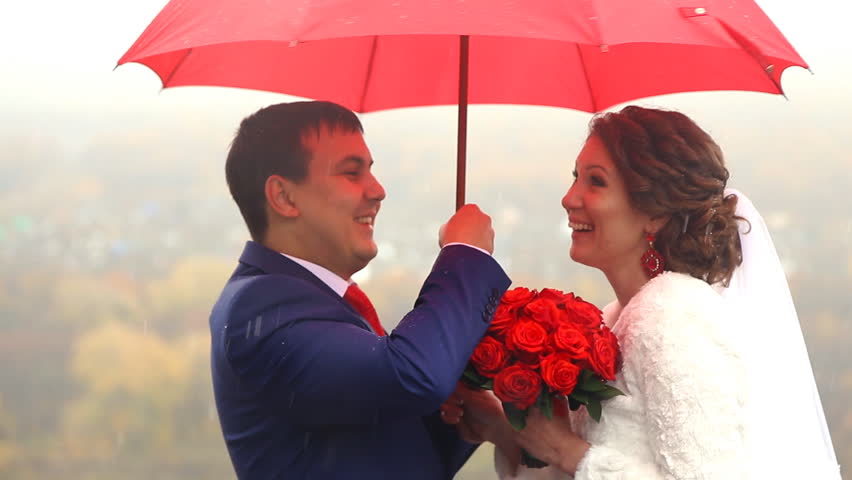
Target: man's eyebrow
356 159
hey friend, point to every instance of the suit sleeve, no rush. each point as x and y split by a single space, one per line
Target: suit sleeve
454 450
322 371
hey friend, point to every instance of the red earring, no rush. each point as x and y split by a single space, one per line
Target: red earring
652 261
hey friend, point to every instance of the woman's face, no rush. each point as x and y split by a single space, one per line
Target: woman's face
608 232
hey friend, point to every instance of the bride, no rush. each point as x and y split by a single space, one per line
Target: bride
716 376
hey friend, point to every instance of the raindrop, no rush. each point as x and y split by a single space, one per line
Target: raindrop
330 457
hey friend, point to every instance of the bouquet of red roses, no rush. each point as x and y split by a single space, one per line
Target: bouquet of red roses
542 345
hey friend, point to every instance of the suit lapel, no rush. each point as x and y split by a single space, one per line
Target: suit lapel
271 262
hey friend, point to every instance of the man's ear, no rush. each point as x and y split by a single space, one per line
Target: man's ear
279 196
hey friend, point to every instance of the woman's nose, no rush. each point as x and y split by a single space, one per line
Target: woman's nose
571 200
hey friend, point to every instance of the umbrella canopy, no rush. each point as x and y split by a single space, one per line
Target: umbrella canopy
371 55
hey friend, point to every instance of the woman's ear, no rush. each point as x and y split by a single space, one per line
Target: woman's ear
657 223
279 196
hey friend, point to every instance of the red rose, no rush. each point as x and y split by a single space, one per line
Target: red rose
544 311
517 385
570 340
528 340
584 314
517 297
504 317
604 353
560 373
552 294
489 357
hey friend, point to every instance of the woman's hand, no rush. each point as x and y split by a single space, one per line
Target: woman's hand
552 441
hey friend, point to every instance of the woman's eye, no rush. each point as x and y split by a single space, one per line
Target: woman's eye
598 181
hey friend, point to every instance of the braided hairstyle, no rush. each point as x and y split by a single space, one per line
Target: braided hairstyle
672 168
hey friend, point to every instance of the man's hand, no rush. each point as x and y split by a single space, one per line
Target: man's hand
468 225
479 417
476 413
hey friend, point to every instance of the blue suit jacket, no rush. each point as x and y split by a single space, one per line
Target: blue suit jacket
306 390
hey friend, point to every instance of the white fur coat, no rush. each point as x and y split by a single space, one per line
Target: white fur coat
683 413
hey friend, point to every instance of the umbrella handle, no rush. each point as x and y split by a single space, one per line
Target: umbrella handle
461 154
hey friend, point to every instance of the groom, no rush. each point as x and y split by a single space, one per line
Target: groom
307 383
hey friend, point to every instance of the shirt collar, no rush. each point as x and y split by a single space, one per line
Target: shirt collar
328 277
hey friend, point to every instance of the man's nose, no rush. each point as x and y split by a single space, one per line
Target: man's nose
375 190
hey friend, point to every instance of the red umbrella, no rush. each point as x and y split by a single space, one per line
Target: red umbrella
373 55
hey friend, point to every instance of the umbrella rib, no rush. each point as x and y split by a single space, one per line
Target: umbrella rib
586 76
369 74
174 70
755 54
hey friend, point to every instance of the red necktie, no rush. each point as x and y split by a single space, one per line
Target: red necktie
358 299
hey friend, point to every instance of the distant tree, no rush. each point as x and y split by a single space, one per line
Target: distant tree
8 448
84 301
181 301
393 292
131 387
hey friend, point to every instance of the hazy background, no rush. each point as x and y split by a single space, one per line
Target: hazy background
117 231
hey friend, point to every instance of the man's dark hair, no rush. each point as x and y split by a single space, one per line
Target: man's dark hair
270 142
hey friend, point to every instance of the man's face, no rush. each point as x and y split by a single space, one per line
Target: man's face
338 202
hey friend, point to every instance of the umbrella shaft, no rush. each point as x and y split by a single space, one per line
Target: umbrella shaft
461 156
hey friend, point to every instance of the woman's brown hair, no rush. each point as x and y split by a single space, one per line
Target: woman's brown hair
672 168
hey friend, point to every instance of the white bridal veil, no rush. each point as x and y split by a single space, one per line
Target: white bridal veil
790 437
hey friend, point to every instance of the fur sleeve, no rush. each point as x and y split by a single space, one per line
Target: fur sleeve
688 369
